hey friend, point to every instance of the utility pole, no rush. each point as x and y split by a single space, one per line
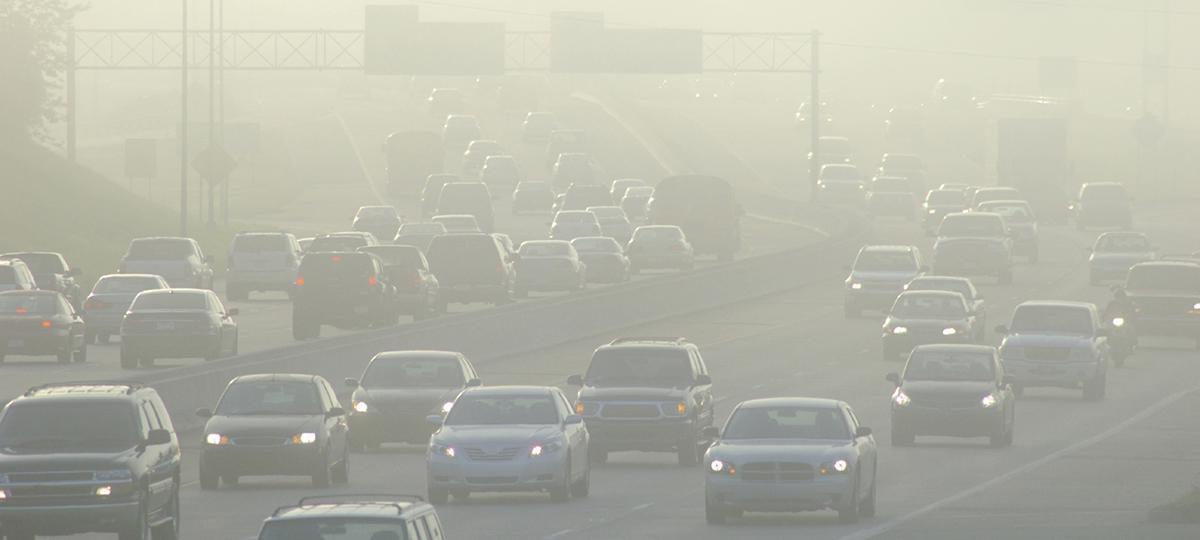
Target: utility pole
814 165
183 132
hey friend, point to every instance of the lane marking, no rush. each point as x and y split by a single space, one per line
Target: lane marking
895 522
563 532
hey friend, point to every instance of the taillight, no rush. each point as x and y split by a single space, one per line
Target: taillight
22 311
92 303
372 281
299 282
47 324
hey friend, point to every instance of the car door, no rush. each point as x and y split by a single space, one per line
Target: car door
866 453
160 481
338 429
575 434
702 393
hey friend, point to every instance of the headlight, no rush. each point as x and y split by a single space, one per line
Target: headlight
837 467
856 286
443 450
1196 306
932 211
304 438
899 330
841 465
861 186
361 406
718 466
674 409
104 491
544 448
900 398
447 406
949 331
113 475
988 401
1118 322
216 439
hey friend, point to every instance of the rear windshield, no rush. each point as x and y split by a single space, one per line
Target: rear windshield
949 366
639 191
270 398
170 300
125 284
545 249
502 410
1126 243
337 243
575 217
422 228
39 263
28 304
333 528
928 306
55 427
334 267
839 172
630 366
157 250
892 185
1052 320
1014 213
658 233
467 250
259 243
971 225
464 195
596 245
459 223
1181 278
1104 192
952 285
405 372
406 256
787 423
870 261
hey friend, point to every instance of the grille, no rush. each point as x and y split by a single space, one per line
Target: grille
49 477
1047 354
630 410
260 441
776 472
505 454
53 491
484 480
946 402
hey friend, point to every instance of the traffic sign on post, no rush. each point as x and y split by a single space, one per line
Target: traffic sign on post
214 164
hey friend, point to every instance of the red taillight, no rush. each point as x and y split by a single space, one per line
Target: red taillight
92 303
47 324
336 258
299 282
372 281
22 311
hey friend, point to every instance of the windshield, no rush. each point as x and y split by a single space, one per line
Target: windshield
28 304
405 256
1123 243
1183 278
607 212
881 261
839 172
337 243
422 228
949 366
331 528
76 426
890 185
318 268
269 398
157 250
405 372
1016 213
929 306
545 249
971 225
952 285
1052 320
596 245
261 243
126 284
639 367
39 263
996 194
470 410
170 300
639 192
786 423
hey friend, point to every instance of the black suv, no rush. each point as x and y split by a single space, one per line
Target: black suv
342 289
648 394
89 457
355 516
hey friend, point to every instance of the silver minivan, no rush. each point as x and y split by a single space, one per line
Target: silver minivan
261 261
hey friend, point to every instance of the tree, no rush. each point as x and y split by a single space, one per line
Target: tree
33 58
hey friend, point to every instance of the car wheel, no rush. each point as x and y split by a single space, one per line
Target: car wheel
688 451
321 476
1094 389
713 513
999 434
64 355
214 351
438 495
849 513
81 354
597 455
341 471
580 489
209 479
170 531
128 359
562 493
867 507
139 530
89 337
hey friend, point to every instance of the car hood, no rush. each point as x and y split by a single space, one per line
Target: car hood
267 425
948 388
1045 340
519 435
746 450
28 460
631 393
883 276
406 398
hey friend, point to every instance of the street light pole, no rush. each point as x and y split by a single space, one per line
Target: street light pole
183 131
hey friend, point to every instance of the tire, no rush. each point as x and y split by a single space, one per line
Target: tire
438 495
849 514
65 356
89 338
321 477
902 437
598 456
562 493
170 531
580 489
128 359
341 471
1094 390
209 479
141 529
460 494
713 513
80 355
999 435
688 451
867 507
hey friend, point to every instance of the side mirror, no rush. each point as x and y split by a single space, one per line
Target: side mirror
862 431
232 311
204 413
474 382
1001 329
352 383
575 380
572 419
158 436
703 379
435 419
335 411
893 378
710 432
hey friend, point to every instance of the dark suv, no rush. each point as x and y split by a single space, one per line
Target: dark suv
472 267
647 394
341 289
89 457
355 516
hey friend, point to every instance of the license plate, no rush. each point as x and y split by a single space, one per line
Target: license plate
165 325
360 310
16 343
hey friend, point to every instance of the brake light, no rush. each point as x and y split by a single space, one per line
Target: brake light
299 282
47 324
372 281
92 303
336 258
22 311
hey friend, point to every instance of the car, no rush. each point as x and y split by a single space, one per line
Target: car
548 265
995 193
1022 223
705 207
177 323
417 289
89 457
604 258
532 197
573 168
1056 344
473 198
341 241
506 244
571 224
284 424
381 221
1114 253
960 285
374 517
878 276
500 171
790 454
261 261
537 126
1166 299
563 141
445 101
509 438
457 223
840 183
51 272
178 260
581 196
432 191
472 267
342 289
618 187
939 203
909 166
418 235
974 244
459 130
648 394
659 246
804 113
953 391
110 298
476 154
834 149
41 323
399 389
921 317
613 222
635 200
1102 204
15 276
891 196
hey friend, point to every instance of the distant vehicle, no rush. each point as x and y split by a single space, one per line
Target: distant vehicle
1166 299
986 194
381 221
457 223
605 259
581 196
938 204
1056 344
459 130
177 323
705 208
573 168
1103 204
472 198
418 234
660 246
15 276
790 455
841 184
613 222
891 196
834 150
548 265
411 157
563 141
1114 253
180 261
398 391
974 244
471 267
261 262
89 457
961 285
648 395
417 289
500 172
953 390
476 154
384 517
1022 223
635 200
571 224
275 424
923 317
110 298
41 323
618 187
51 272
532 197
803 116
445 101
909 166
537 126
341 241
878 276
432 192
344 290
541 445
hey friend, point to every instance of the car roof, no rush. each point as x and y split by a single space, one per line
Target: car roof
888 249
791 402
1057 303
351 506
929 277
955 347
1001 202
120 276
394 355
996 188
1168 263
161 238
19 253
174 291
274 377
933 292
511 390
83 389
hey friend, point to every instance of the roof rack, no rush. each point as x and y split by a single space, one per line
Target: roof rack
650 339
379 499
130 386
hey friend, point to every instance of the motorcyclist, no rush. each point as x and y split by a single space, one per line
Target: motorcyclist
1117 315
1119 307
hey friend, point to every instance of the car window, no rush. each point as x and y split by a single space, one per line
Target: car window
39 263
125 284
657 234
545 249
260 243
82 426
466 250
885 261
1052 320
435 526
631 366
333 528
28 304
1017 213
1104 192
270 398
928 306
1184 278
414 372
1127 243
472 410
950 366
945 197
787 422
170 300
8 275
161 409
318 268
596 245
971 225
952 285
337 243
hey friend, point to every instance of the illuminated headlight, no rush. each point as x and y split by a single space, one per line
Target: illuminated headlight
104 491
949 331
716 465
545 448
114 475
447 406
861 186
304 438
900 330
443 450
216 439
837 467
841 465
361 406
1196 306
1118 322
900 398
3 494
674 409
988 401
932 211
856 286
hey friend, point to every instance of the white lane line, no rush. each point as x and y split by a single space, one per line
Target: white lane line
893 523
641 507
561 533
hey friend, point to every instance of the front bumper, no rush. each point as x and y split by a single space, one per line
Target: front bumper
976 421
522 473
659 435
70 517
292 459
170 345
819 493
1068 374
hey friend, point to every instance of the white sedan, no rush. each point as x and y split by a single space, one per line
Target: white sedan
790 455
